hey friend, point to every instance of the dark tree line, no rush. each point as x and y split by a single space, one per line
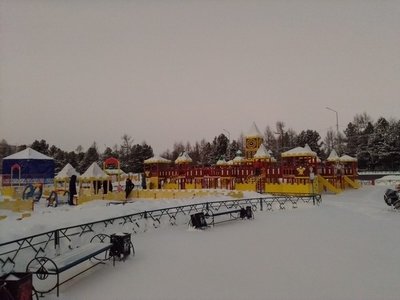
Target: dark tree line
207 153
376 145
131 155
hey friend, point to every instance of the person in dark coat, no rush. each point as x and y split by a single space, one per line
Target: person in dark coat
128 187
96 186
105 187
72 189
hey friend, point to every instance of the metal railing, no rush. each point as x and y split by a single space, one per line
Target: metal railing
15 254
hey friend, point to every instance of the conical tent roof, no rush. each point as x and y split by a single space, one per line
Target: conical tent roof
183 158
94 172
262 152
238 158
221 161
67 172
28 153
333 156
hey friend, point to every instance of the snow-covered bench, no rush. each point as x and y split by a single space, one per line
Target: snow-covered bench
198 220
233 214
44 267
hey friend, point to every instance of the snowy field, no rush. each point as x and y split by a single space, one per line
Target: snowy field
346 248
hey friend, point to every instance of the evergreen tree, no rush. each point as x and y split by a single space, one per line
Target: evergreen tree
5 150
378 149
139 154
53 150
232 149
135 161
132 156
80 155
108 152
312 138
195 153
219 147
393 140
91 156
363 152
72 158
351 133
206 157
41 146
59 156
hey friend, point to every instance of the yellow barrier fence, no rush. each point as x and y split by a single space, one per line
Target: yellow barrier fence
17 205
288 188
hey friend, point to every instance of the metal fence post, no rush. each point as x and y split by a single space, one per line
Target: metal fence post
56 239
57 242
261 204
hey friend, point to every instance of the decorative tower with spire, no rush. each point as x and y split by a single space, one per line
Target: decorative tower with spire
253 141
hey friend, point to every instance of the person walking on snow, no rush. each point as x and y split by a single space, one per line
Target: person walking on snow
72 189
128 187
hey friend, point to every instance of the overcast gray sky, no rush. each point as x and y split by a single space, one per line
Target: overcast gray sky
75 72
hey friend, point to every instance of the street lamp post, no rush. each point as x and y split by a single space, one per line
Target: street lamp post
337 126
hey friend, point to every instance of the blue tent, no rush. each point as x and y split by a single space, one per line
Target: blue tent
28 166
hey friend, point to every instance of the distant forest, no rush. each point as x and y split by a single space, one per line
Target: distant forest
376 145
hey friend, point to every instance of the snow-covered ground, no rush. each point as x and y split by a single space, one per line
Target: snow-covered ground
346 248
